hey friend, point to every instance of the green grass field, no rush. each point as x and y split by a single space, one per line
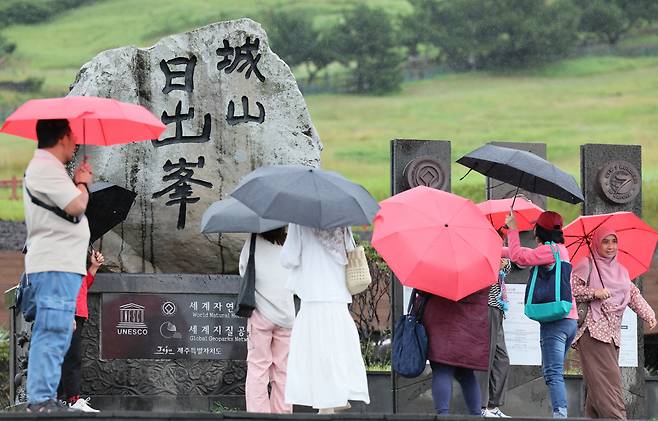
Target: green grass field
566 104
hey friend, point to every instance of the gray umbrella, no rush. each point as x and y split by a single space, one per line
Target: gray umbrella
229 215
525 170
306 196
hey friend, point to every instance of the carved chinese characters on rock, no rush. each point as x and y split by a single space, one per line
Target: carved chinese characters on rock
243 59
232 119
224 96
179 76
240 58
181 188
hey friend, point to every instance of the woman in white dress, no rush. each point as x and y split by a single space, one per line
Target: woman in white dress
325 366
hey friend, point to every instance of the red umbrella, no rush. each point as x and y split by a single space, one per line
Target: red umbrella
636 240
94 121
497 210
437 242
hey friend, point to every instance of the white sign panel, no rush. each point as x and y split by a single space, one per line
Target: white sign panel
522 334
628 348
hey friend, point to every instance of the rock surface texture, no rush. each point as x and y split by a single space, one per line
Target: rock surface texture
230 105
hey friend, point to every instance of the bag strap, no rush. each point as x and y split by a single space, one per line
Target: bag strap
558 270
532 284
558 273
54 209
348 233
422 299
251 263
421 308
589 274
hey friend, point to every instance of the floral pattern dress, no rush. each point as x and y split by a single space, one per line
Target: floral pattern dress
608 328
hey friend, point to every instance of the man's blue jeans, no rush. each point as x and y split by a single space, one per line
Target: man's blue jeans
556 337
55 294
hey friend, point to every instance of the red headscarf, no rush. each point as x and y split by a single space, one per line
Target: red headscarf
607 269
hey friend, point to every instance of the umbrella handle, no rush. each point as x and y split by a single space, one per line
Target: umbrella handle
516 193
467 173
594 259
84 143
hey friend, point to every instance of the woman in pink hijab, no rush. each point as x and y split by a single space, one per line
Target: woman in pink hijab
608 289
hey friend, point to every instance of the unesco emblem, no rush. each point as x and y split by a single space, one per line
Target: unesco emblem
619 181
131 320
425 171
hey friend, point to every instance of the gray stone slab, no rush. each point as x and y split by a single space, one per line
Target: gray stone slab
173 283
415 162
527 394
652 397
610 175
593 159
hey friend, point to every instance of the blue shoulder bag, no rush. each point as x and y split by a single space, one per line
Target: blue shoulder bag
409 354
548 295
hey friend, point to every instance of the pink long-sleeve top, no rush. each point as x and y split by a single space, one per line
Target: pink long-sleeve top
539 256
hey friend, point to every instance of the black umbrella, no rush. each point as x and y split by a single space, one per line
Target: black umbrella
524 170
306 196
108 206
230 215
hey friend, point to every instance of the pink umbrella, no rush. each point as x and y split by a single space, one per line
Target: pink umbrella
636 239
437 242
94 121
497 210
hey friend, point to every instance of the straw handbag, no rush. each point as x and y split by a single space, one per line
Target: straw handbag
357 272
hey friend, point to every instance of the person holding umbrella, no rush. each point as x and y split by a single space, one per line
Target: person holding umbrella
325 366
269 325
604 283
493 382
69 386
263 299
458 339
57 240
442 244
555 336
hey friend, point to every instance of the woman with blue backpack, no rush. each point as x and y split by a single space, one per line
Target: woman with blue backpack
548 298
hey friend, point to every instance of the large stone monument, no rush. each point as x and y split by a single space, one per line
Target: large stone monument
230 105
172 341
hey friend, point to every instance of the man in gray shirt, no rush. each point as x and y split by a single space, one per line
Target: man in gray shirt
57 241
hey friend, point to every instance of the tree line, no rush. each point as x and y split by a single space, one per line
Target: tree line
458 34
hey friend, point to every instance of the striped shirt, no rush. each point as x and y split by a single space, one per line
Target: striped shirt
495 290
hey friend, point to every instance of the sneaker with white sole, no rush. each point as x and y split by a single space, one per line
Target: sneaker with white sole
49 406
83 405
494 413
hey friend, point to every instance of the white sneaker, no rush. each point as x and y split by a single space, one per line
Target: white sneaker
83 405
494 413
